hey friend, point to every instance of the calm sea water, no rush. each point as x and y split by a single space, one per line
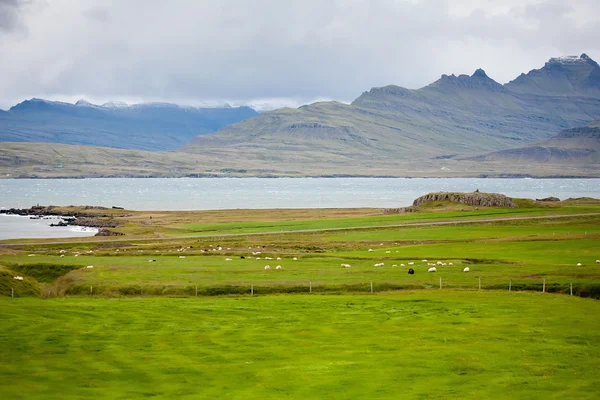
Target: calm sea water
18 227
226 193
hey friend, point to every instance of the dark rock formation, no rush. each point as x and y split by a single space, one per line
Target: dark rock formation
477 199
551 198
108 232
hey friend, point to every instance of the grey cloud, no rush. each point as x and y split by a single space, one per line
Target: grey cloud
9 14
240 51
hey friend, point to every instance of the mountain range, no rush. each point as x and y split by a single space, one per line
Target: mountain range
467 125
454 115
153 126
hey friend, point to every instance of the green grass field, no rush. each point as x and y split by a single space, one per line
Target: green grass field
130 328
413 345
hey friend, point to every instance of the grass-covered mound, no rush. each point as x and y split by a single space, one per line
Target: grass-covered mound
44 272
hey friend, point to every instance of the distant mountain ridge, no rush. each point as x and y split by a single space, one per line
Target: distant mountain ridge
465 114
151 126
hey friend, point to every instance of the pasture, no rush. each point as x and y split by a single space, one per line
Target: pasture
417 344
181 306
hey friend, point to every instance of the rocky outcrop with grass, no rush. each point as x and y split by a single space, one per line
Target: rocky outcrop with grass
476 199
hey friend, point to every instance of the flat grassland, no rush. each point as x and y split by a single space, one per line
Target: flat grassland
421 344
132 326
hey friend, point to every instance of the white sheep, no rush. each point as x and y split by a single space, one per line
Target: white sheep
467 269
278 267
388 251
258 258
402 265
267 267
268 258
411 263
597 261
228 259
450 264
62 255
345 265
424 260
181 256
394 265
579 264
432 269
89 267
19 278
295 259
151 260
379 265
439 263
370 249
278 258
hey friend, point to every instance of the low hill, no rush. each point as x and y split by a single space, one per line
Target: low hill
576 146
141 126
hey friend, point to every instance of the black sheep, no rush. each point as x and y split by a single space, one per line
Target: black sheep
411 271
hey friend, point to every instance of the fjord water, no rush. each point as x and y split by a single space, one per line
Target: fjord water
230 193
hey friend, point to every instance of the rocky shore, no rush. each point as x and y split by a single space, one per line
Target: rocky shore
102 221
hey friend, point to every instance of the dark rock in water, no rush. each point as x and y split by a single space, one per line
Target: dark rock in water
478 199
551 198
411 271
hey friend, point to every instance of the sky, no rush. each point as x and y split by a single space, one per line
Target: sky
272 53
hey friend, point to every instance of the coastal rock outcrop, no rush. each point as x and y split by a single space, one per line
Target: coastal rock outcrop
477 199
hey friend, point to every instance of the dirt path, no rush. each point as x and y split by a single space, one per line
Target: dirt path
223 235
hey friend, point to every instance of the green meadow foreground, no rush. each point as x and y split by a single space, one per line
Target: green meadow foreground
418 344
182 306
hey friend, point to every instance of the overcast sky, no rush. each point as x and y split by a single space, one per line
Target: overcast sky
274 51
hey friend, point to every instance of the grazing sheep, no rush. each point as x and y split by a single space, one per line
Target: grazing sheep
90 267
432 269
151 260
394 265
579 264
278 258
278 267
402 265
370 249
411 271
411 263
466 269
424 260
295 259
181 256
228 259
19 278
242 257
597 261
258 258
379 265
345 265
62 255
439 263
450 264
267 267
268 258
388 251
